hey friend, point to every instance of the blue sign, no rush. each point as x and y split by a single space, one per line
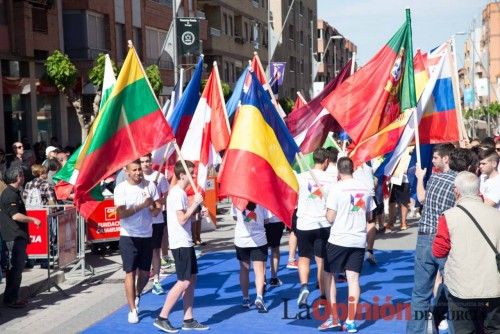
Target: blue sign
468 96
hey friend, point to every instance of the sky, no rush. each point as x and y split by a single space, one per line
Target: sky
371 23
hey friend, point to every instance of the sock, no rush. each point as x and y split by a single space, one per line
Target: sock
245 297
188 321
155 280
291 259
370 251
259 297
162 318
304 286
347 321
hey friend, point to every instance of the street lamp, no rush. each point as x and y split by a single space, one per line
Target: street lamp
334 53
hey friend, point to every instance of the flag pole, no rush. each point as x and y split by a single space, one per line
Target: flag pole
164 161
301 97
191 181
221 94
414 103
455 84
353 62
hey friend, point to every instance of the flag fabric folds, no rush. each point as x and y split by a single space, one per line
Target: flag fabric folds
299 103
257 164
129 125
208 132
66 177
234 100
375 95
310 124
184 110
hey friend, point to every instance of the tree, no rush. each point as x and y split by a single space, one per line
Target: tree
287 104
96 77
226 89
154 77
63 74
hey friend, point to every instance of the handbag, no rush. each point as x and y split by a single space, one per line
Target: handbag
497 255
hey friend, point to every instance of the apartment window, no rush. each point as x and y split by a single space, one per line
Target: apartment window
301 9
247 33
39 19
95 31
301 39
319 33
3 19
302 66
292 64
137 40
120 41
231 25
154 42
291 31
226 71
233 73
226 24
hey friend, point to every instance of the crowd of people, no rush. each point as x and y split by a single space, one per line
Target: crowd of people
339 211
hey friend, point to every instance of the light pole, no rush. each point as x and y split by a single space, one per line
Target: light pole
334 53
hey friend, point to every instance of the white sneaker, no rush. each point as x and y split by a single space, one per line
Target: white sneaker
443 325
133 317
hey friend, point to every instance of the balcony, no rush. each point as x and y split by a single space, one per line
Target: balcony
215 32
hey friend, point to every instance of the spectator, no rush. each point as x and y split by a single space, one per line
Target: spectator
474 286
490 178
50 153
38 192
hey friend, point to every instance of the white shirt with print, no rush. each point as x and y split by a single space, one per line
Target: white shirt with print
311 208
491 190
249 230
132 195
351 199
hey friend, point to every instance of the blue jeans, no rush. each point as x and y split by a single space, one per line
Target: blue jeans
426 268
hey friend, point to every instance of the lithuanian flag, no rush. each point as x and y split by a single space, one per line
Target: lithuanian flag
129 125
256 166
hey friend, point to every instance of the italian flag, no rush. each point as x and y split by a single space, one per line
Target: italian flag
129 125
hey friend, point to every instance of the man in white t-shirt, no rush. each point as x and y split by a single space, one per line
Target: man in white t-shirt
136 202
312 227
349 203
251 245
179 215
490 182
159 225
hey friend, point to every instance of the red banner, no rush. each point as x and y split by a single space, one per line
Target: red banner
104 223
38 248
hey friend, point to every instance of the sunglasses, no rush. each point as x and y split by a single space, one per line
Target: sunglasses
20 146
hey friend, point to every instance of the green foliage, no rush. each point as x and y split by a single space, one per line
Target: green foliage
481 113
287 104
61 71
96 74
154 77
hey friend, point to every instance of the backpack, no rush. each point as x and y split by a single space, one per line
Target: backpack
34 198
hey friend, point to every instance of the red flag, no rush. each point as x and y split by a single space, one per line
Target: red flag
208 132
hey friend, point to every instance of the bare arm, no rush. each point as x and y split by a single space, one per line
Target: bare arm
22 218
330 215
183 216
123 212
420 174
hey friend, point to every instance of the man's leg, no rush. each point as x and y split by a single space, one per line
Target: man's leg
156 264
371 232
354 292
130 289
188 299
320 274
461 320
492 316
18 258
244 277
173 295
425 274
142 280
292 247
275 261
404 213
259 268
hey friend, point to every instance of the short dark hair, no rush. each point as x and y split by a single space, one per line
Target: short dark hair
489 154
320 155
345 166
179 168
444 150
136 161
461 159
12 174
488 141
333 154
149 155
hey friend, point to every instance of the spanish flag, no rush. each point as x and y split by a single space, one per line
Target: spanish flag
129 125
257 164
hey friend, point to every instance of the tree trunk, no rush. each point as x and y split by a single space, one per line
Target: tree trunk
76 102
97 102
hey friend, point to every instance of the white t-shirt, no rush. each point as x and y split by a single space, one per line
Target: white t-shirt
178 235
271 218
333 171
491 190
249 230
351 199
311 208
162 187
364 173
129 195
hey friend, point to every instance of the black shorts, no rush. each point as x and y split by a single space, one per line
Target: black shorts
274 232
136 253
294 223
312 242
400 194
157 235
340 259
379 210
185 262
247 254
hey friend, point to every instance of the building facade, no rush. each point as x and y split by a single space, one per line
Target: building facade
334 51
491 42
31 30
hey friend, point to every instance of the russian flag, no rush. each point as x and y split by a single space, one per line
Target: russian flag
184 110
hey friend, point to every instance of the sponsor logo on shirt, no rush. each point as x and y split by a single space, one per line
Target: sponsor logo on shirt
357 202
249 216
314 191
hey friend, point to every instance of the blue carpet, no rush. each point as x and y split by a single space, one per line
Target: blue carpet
218 298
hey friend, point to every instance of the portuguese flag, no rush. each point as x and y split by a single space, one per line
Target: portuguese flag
376 95
129 125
